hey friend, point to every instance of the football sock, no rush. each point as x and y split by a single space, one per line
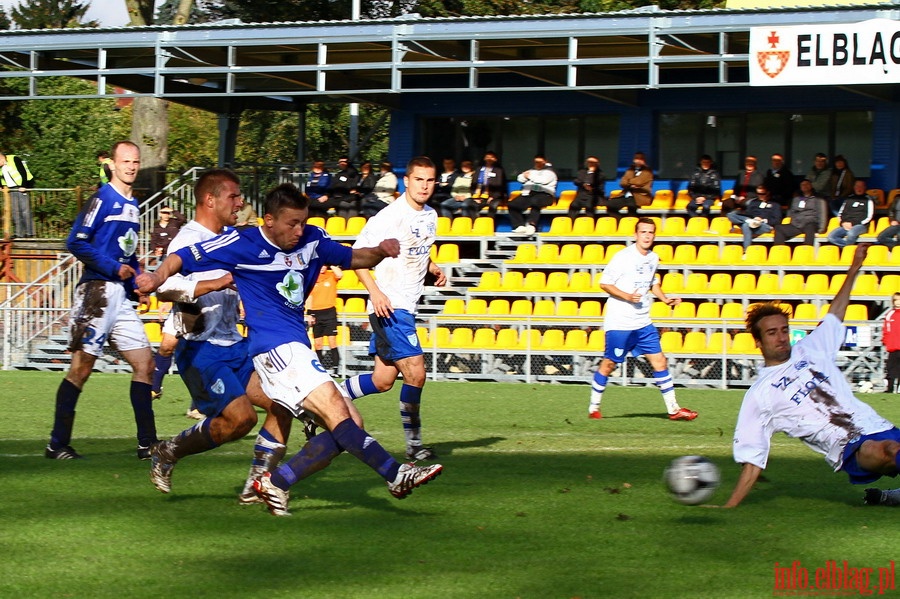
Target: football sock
196 439
64 417
666 384
357 442
335 357
410 402
359 385
142 404
312 457
598 386
321 354
163 363
267 451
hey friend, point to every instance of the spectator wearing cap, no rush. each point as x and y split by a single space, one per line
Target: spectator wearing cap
163 232
744 189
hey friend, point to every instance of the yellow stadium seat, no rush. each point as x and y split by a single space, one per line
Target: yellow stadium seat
806 312
835 283
483 226
357 305
685 254
743 343
530 339
708 311
732 255
339 304
674 226
605 226
461 225
792 284
847 254
720 283
684 310
432 252
475 307
673 282
593 254
744 282
589 309
662 200
349 281
521 307
422 334
732 311
548 253
544 307
500 307
671 342
567 308
880 199
755 255
552 340
816 284
490 281
719 343
828 255
461 338
335 225
855 312
694 342
833 223
443 226
865 284
535 280
720 225
682 199
583 226
484 338
768 284
882 224
343 335
560 225
448 253
557 281
889 285
665 252
877 255
526 253
803 255
611 250
626 226
570 253
315 221
507 339
779 255
580 281
696 225
576 340
660 310
708 254
154 331
565 199
597 340
441 337
697 282
355 224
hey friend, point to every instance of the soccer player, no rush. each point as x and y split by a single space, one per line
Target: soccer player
393 300
104 238
801 392
630 279
211 354
274 267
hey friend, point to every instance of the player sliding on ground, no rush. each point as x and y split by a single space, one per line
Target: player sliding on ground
802 393
274 267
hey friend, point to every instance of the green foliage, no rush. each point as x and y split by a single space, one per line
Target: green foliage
5 23
51 14
193 138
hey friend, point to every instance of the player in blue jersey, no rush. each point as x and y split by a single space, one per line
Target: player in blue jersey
211 354
394 298
274 267
104 238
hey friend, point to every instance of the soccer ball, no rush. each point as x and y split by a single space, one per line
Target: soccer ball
866 387
691 479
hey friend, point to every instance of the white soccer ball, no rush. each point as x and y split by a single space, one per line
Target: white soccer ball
866 387
691 479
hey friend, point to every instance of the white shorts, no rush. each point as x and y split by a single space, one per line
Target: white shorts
168 326
290 372
102 313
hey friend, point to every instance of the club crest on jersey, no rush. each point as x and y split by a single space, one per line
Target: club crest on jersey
128 242
291 287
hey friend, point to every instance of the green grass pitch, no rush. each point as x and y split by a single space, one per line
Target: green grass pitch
536 501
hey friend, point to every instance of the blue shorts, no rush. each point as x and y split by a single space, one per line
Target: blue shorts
640 342
394 338
859 476
215 375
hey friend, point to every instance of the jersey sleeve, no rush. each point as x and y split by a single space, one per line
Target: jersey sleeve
220 252
81 237
373 233
333 253
752 434
613 272
828 336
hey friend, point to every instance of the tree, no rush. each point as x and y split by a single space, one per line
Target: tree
5 23
51 14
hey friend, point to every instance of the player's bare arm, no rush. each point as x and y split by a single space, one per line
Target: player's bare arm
380 302
657 292
148 282
200 289
842 298
629 296
369 257
440 277
749 475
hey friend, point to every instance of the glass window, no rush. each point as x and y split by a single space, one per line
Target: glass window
522 138
679 153
601 139
809 136
853 139
766 135
561 137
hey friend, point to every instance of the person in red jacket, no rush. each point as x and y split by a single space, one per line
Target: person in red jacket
891 340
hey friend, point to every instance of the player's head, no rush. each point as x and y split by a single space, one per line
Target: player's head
419 180
126 161
286 212
768 323
217 195
750 163
102 155
644 234
895 300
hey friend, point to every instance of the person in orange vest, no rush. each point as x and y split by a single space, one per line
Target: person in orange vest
322 314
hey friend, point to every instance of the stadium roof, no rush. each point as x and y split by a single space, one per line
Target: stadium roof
229 66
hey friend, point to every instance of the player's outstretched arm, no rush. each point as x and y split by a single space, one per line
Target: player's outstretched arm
440 277
369 257
749 475
842 298
148 282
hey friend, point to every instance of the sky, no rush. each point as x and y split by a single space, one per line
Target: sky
110 13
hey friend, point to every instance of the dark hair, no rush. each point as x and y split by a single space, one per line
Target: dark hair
286 195
419 161
842 159
103 154
386 165
821 155
706 157
211 182
760 311
645 220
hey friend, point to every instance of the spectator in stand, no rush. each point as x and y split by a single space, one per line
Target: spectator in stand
891 236
105 163
367 179
891 340
164 232
589 184
444 184
538 191
808 214
317 189
321 313
758 216
14 174
855 214
841 183
779 180
744 186
820 176
342 190
637 187
705 187
461 193
247 216
383 192
490 186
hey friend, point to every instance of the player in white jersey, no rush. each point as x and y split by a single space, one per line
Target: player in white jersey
394 297
630 280
801 392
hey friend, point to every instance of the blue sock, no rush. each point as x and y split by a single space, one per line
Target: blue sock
266 448
64 417
312 457
142 404
410 401
358 443
666 384
163 363
598 386
359 385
